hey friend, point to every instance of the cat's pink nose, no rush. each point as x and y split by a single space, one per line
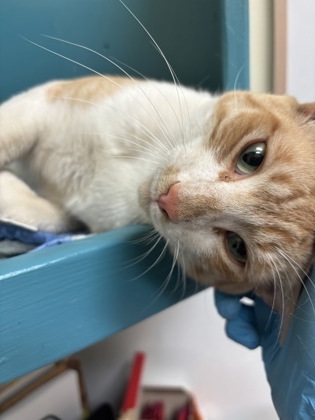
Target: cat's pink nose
168 202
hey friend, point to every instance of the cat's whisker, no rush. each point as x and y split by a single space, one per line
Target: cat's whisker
275 280
293 264
289 286
142 149
171 70
238 75
140 258
156 152
136 158
158 89
163 128
260 286
149 240
165 283
182 268
79 64
122 63
159 158
178 279
274 297
143 128
70 60
274 300
179 270
278 281
235 89
124 139
287 256
148 237
158 259
175 80
155 44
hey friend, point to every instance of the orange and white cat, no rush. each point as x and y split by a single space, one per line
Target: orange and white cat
228 181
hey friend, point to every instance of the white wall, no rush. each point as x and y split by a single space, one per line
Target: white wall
301 49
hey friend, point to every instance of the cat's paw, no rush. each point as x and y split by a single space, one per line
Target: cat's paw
21 205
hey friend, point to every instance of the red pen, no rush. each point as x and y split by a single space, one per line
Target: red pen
129 408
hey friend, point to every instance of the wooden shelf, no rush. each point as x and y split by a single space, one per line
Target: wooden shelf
59 300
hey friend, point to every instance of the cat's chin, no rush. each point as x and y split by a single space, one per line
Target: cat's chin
229 287
233 288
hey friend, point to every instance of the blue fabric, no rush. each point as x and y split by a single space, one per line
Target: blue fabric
12 232
290 367
38 238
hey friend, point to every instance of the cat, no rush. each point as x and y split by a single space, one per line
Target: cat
228 180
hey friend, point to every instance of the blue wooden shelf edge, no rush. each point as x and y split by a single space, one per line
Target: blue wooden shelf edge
59 300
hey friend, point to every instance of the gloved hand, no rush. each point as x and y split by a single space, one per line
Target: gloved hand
290 367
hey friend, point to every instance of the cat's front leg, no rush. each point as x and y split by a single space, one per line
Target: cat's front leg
21 124
19 203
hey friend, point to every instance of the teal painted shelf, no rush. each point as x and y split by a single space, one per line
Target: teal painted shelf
59 300
56 301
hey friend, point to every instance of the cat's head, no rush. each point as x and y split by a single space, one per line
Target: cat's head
238 204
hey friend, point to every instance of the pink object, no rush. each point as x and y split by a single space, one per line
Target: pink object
184 413
154 411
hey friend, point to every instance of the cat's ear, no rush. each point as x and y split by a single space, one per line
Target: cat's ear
308 110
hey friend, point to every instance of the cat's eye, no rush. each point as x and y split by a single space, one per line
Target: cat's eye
251 158
236 247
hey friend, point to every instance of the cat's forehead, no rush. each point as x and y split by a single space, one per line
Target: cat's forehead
240 101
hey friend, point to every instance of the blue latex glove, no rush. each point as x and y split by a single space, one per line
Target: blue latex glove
290 368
